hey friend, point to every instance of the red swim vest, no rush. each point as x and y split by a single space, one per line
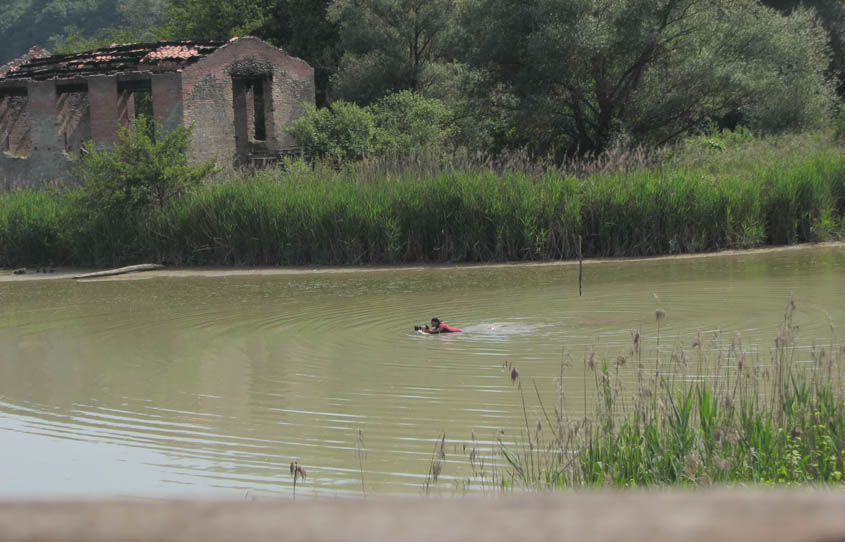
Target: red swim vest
445 328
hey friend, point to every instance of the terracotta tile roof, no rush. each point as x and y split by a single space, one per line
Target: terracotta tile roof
34 52
161 56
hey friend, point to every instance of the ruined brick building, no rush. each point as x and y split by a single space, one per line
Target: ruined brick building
238 95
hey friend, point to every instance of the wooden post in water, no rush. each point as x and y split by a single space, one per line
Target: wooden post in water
580 265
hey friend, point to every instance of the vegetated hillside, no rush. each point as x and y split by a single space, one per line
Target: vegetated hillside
58 24
24 23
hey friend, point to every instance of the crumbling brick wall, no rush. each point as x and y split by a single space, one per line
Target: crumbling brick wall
73 116
216 103
14 137
238 96
40 155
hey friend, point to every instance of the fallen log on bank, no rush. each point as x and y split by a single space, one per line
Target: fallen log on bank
121 271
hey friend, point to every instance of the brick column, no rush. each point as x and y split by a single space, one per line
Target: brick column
269 113
102 97
241 128
43 117
167 100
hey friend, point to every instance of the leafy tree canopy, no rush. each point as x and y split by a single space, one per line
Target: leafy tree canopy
573 75
831 14
399 124
392 45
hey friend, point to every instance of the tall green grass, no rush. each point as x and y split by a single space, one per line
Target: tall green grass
690 201
710 413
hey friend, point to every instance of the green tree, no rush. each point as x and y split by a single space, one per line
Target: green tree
147 168
574 75
392 45
412 123
301 28
212 19
831 13
401 123
338 133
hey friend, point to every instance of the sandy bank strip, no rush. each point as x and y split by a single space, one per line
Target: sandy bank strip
188 272
723 515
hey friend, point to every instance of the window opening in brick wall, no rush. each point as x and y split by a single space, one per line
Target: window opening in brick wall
135 98
252 100
15 136
259 127
73 111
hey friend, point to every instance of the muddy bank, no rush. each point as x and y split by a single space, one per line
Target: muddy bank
65 273
724 515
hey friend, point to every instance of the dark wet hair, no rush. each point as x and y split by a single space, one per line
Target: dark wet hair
435 319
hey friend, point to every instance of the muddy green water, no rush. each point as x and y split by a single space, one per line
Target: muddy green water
168 386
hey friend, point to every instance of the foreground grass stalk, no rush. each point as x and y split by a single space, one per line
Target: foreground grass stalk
775 422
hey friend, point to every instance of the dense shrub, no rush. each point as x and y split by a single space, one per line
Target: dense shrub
400 123
412 123
338 133
146 168
114 189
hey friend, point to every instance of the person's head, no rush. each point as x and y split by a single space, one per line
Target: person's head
435 322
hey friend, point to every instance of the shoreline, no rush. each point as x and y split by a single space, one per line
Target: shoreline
212 272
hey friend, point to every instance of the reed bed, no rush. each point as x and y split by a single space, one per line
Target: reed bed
710 413
451 209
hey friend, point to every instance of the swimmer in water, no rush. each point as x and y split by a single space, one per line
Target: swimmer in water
438 327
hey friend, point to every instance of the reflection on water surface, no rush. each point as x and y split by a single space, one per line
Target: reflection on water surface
212 385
